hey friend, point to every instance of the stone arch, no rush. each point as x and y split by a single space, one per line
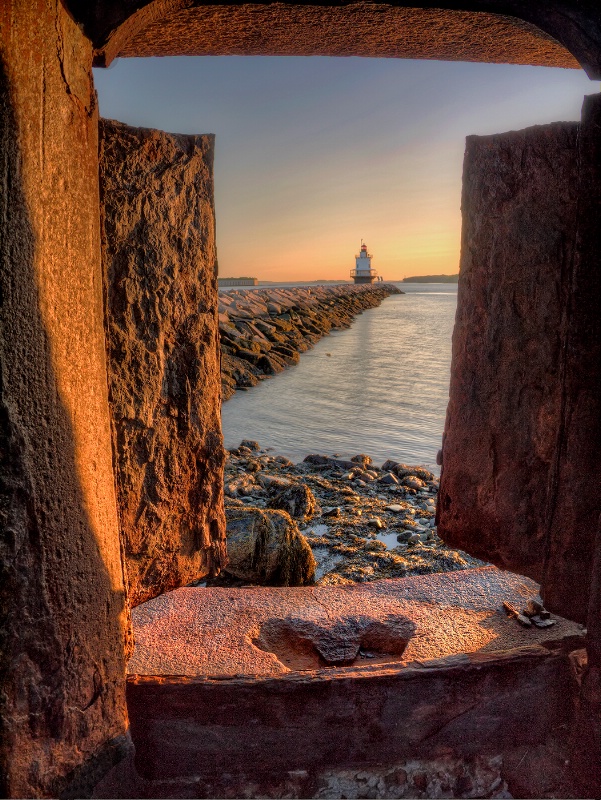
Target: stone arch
510 31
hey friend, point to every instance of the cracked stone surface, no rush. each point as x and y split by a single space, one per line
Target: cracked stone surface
215 632
159 260
357 29
520 464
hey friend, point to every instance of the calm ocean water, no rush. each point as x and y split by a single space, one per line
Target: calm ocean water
380 387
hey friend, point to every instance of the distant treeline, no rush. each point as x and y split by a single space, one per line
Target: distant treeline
432 279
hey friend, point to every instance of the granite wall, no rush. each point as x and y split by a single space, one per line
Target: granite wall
519 471
363 731
158 244
516 32
62 609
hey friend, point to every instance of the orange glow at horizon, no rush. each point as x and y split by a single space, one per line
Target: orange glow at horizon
403 241
422 252
314 154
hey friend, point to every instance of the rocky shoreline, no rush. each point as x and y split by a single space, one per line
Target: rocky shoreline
262 331
330 521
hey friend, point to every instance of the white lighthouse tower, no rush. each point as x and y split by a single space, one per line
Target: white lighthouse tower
363 273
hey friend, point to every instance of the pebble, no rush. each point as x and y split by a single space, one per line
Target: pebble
249 444
512 611
533 607
412 482
375 545
331 512
542 623
269 481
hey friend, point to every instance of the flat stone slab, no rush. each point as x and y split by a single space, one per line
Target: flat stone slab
269 631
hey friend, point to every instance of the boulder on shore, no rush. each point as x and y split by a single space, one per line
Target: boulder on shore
297 500
266 547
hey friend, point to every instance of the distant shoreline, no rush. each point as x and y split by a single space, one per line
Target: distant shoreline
432 279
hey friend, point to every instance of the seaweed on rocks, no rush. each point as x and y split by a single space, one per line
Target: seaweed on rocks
359 524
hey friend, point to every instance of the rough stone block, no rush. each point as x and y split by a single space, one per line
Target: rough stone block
574 497
62 606
516 465
266 547
158 240
388 31
461 706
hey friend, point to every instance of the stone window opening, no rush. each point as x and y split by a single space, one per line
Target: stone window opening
291 642
63 692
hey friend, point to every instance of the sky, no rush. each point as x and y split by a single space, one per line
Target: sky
314 154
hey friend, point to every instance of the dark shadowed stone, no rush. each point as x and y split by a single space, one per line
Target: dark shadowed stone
574 510
318 460
63 614
520 453
298 500
251 444
266 547
161 296
519 196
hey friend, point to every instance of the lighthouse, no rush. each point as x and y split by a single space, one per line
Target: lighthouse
363 273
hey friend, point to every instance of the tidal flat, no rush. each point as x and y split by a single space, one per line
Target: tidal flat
362 522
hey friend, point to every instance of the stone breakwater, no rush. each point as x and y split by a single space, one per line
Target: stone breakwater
263 331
